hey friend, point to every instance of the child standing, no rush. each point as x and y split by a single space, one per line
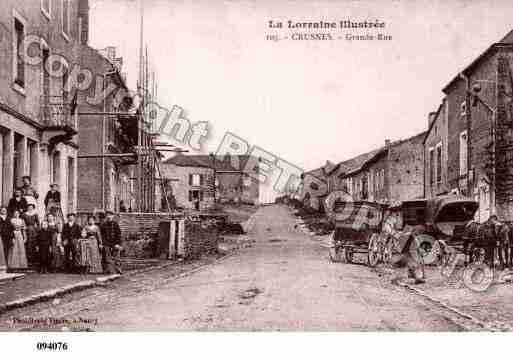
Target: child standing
57 248
90 258
44 243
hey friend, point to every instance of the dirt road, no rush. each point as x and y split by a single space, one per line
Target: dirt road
282 282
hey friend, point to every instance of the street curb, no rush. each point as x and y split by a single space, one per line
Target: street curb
100 281
450 308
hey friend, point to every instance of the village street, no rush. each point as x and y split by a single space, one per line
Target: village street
283 281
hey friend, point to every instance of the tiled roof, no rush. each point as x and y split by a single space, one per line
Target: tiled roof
505 41
356 163
317 173
226 163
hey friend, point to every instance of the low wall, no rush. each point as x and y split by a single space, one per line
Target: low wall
140 232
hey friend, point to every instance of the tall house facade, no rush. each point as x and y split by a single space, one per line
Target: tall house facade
480 131
390 174
108 137
40 42
435 153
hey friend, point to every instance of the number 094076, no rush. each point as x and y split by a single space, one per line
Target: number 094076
53 346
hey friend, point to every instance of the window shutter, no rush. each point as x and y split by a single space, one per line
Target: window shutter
190 196
201 196
201 179
190 179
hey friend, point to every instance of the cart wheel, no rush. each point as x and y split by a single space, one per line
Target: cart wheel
373 252
348 252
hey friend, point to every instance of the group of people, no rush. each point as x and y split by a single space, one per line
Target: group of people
55 244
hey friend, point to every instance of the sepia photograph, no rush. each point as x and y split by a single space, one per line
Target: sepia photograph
175 166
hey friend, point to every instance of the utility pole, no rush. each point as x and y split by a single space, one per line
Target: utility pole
139 119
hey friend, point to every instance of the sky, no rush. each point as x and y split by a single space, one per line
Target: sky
306 101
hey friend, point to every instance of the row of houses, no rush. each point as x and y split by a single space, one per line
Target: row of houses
467 148
57 122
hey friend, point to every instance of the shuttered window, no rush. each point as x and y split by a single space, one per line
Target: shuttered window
19 68
463 153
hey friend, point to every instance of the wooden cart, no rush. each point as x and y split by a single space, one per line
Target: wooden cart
357 230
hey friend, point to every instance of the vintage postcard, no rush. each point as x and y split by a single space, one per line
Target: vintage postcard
300 166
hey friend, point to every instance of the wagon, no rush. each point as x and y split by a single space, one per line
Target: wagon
440 223
357 227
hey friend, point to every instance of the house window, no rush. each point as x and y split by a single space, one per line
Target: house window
196 196
463 153
19 64
195 179
46 6
431 166
45 83
439 163
372 186
65 18
365 189
247 181
80 29
463 108
65 76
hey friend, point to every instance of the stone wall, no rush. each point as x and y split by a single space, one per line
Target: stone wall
406 169
140 233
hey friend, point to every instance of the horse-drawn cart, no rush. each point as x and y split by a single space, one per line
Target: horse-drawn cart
441 225
357 227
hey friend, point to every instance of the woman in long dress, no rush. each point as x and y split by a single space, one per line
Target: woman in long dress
31 219
93 245
17 258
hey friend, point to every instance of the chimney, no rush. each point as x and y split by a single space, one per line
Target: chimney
387 143
431 118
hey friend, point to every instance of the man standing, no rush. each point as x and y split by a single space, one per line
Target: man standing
406 244
70 234
111 240
488 238
5 231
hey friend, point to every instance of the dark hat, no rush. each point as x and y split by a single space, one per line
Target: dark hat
107 212
71 214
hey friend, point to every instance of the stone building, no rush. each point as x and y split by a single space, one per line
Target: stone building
105 181
38 122
313 188
190 181
390 174
435 153
479 124
234 180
